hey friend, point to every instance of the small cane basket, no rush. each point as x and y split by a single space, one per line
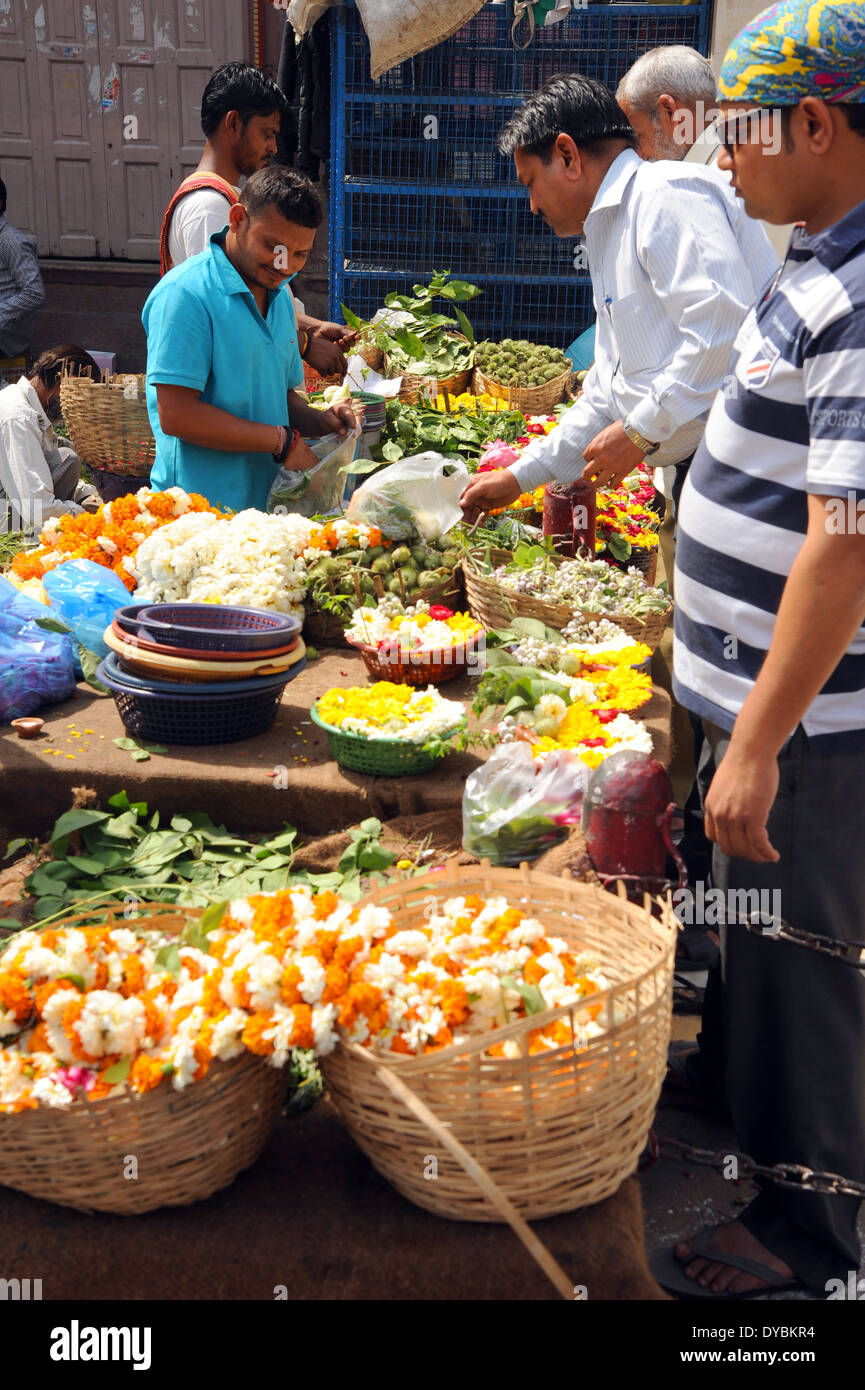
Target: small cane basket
546 1132
420 667
494 605
187 1144
326 629
532 400
108 423
412 387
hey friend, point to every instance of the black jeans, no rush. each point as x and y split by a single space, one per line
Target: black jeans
793 1022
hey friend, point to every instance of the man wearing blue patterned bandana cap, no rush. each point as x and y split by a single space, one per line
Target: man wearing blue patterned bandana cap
770 651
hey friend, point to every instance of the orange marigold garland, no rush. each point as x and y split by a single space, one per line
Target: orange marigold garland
110 536
79 1021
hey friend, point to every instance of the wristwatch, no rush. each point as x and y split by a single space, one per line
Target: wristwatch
291 438
636 438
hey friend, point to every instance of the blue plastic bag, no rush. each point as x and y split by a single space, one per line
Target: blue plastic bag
85 596
36 667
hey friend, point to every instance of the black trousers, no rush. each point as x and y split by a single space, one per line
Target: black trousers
792 1023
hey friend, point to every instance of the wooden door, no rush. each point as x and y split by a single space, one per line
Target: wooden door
65 114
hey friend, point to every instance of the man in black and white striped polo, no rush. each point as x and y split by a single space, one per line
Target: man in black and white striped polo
770 648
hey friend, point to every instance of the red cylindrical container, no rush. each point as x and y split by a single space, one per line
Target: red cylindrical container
569 517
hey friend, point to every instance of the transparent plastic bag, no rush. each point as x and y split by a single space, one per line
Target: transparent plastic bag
515 808
416 496
315 491
85 596
36 666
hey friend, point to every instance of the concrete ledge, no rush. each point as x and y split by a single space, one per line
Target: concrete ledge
230 781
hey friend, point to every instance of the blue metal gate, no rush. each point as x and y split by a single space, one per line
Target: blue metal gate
416 181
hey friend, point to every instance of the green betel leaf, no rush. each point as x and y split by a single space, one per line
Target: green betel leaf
351 319
125 743
53 625
140 755
77 981
619 547
119 1072
71 821
13 846
169 958
211 919
531 996
460 290
466 327
93 867
90 662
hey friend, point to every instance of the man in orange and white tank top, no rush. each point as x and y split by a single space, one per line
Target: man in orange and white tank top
241 110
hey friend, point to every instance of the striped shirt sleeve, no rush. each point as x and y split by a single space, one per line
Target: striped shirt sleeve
834 379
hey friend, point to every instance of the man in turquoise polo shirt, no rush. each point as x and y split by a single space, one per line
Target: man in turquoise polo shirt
223 366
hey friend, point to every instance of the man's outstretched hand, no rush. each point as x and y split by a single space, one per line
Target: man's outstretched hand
487 491
610 457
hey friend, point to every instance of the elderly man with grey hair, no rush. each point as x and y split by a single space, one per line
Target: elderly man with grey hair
669 98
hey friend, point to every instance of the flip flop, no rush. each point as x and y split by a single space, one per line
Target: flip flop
669 1271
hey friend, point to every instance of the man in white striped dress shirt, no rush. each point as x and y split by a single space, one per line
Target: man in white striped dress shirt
675 264
770 651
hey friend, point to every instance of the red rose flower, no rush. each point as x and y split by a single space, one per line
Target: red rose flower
440 613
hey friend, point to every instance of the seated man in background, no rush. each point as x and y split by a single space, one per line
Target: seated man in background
21 288
40 478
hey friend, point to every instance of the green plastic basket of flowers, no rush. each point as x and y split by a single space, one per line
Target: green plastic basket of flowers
382 757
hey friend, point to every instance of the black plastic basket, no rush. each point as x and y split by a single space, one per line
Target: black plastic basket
209 627
201 715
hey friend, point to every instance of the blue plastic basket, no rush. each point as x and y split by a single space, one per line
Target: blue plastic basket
214 627
416 179
222 712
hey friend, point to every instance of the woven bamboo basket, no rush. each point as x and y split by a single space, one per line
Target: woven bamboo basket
494 605
532 400
435 669
313 382
326 629
372 355
108 423
646 561
544 1133
188 1144
413 386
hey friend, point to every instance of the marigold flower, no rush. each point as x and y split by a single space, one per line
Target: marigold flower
145 1073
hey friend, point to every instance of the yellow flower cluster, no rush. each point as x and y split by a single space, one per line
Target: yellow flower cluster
390 710
622 688
467 401
459 623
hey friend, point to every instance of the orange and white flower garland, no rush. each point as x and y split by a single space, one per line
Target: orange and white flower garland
86 1012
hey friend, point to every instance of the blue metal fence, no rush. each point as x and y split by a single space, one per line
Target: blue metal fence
416 181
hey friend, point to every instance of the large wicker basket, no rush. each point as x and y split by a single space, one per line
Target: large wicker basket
413 386
532 400
108 423
493 604
549 1131
186 1144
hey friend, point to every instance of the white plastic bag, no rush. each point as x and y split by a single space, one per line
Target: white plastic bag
418 495
515 808
315 491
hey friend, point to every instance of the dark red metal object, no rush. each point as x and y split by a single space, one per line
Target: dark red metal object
627 811
569 517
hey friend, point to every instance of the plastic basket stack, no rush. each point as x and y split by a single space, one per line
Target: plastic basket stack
199 673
